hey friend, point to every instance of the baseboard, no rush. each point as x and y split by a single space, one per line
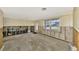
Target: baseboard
55 38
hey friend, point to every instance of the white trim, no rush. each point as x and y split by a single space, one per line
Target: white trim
74 48
77 29
2 48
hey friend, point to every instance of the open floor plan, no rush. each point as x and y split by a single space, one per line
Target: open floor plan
39 29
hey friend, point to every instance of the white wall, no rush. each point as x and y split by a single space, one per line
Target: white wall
17 22
66 20
1 19
76 18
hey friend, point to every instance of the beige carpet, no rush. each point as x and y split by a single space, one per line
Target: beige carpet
34 42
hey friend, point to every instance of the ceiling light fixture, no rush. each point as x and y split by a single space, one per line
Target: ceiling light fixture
44 9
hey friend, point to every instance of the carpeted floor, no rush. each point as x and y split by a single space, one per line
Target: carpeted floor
34 42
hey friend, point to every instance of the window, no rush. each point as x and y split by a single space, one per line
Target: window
52 24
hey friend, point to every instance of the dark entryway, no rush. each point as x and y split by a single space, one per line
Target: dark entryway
14 30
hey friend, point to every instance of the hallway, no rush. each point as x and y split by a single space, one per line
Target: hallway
37 29
34 42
